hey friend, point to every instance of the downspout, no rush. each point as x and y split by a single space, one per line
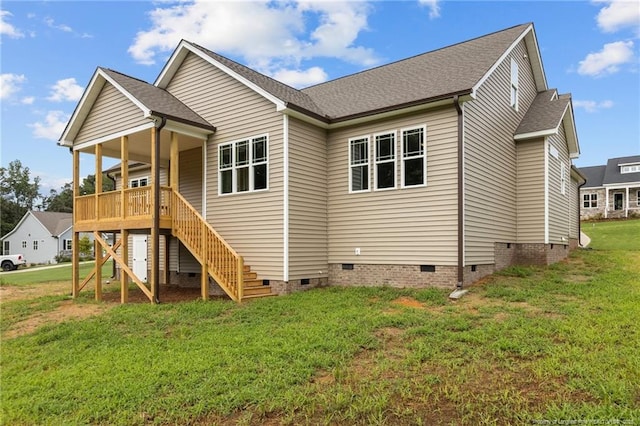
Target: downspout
456 103
156 212
579 203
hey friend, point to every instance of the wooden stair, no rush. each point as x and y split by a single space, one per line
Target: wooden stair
252 287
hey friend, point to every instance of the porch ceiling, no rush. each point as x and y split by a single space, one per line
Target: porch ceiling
140 146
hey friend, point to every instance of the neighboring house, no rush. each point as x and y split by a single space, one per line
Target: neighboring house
431 171
40 236
611 191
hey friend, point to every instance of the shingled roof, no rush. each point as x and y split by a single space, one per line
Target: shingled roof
56 223
545 113
598 176
157 100
594 175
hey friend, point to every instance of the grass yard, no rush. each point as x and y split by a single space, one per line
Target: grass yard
614 235
527 346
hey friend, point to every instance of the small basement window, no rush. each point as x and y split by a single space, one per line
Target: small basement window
427 268
347 266
305 281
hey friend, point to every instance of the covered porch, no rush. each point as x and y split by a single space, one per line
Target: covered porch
621 201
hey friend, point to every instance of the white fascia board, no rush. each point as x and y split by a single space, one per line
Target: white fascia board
13 231
536 62
178 56
186 129
570 131
82 109
635 163
116 135
538 134
621 185
146 111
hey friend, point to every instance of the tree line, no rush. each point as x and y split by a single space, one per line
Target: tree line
19 193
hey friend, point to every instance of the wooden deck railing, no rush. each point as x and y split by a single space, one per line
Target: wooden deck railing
222 262
207 246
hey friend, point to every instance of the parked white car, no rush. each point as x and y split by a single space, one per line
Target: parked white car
11 262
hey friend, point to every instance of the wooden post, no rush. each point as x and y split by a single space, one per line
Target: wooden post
155 212
124 169
240 278
98 256
204 279
173 162
75 242
98 185
124 277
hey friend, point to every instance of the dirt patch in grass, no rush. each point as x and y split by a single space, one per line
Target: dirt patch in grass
408 302
168 294
10 293
67 310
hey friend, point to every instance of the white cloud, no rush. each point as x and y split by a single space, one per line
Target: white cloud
27 100
619 14
608 60
52 127
593 106
6 28
298 78
62 27
434 7
65 90
270 36
10 84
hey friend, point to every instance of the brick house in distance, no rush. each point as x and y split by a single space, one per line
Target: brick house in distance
435 170
611 190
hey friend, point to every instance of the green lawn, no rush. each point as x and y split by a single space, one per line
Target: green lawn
527 346
613 235
39 275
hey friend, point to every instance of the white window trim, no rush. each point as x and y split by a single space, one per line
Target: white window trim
35 245
631 168
563 179
376 162
251 164
368 164
424 155
65 243
138 179
513 88
6 247
589 200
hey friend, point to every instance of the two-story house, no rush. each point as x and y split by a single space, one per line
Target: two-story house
435 170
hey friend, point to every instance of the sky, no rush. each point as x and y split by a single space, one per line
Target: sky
49 51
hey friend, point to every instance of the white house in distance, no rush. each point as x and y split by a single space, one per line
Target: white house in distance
40 236
612 190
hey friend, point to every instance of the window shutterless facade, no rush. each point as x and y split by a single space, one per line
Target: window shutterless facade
138 182
66 245
414 157
243 166
590 201
359 164
24 244
385 160
35 244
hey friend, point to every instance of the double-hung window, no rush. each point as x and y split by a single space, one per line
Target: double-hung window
359 164
243 165
514 84
35 244
385 155
138 182
590 201
66 245
563 179
414 157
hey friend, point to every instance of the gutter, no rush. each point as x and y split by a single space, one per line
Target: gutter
575 169
456 103
156 212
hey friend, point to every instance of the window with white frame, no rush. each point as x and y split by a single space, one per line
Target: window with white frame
590 201
66 245
138 182
359 164
514 84
563 179
243 165
414 158
632 168
24 244
6 247
35 244
385 158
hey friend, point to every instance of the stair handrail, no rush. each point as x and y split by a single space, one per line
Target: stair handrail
222 262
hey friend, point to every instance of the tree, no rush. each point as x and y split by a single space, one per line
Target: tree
60 201
88 185
18 194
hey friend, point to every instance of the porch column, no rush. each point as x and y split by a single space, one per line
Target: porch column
97 247
626 202
174 166
75 239
155 210
124 277
606 201
124 169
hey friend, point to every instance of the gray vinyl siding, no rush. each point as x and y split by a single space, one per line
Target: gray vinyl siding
112 112
559 211
574 214
31 230
399 226
530 191
251 222
190 186
308 251
490 158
